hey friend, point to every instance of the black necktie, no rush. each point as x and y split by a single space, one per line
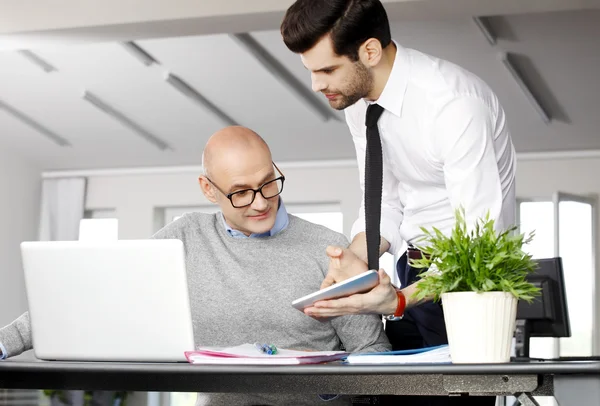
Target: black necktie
373 185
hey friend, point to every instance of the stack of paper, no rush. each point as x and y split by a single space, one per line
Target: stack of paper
437 355
249 354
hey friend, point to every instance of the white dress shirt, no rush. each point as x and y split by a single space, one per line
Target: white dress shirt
445 144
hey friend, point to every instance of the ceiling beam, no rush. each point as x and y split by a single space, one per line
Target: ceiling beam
126 121
139 53
508 62
486 30
281 73
37 61
30 122
188 91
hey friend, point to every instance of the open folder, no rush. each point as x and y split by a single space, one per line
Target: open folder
438 355
248 354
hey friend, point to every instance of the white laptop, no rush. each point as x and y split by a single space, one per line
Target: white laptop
121 300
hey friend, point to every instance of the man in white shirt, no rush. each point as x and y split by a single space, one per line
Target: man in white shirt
445 145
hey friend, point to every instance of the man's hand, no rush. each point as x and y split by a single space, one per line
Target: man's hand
382 299
343 264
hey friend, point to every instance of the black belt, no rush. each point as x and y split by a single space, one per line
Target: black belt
414 253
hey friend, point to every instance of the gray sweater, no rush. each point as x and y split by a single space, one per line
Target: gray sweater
241 291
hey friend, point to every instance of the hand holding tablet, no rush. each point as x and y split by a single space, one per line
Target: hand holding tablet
357 284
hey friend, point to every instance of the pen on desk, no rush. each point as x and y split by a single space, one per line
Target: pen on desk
268 349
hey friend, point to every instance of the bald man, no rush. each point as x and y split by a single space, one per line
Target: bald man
245 266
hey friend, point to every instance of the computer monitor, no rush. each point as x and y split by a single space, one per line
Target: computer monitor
547 315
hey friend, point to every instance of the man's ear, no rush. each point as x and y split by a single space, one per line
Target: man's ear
370 52
207 189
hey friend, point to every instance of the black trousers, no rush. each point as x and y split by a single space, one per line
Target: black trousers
423 326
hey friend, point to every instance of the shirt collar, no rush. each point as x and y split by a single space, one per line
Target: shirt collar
281 222
392 96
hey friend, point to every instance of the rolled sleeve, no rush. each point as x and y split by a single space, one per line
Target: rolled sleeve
389 229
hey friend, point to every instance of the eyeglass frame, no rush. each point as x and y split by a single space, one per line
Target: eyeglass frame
254 191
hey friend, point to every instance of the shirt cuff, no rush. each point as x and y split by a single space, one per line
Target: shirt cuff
4 354
388 230
391 232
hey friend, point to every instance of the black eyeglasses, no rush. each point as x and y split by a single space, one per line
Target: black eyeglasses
245 197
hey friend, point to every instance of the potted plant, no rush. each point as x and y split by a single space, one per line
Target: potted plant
478 274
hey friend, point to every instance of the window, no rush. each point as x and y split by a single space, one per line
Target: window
330 219
576 247
328 215
564 227
99 225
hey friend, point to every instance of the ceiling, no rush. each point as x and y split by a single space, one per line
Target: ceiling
557 54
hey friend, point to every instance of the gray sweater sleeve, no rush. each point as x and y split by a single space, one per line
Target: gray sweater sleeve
16 337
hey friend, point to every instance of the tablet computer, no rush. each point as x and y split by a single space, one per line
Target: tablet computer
357 284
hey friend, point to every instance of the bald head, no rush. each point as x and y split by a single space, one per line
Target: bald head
231 146
237 163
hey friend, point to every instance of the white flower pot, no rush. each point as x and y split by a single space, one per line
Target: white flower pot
480 326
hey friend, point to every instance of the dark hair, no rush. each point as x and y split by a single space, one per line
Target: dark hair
349 22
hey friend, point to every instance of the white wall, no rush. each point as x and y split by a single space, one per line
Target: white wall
20 186
541 177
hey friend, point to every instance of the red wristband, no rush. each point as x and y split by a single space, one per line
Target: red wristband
401 304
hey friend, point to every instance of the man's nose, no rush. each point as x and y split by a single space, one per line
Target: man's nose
317 84
259 203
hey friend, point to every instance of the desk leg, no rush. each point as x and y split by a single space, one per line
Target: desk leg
525 399
576 390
